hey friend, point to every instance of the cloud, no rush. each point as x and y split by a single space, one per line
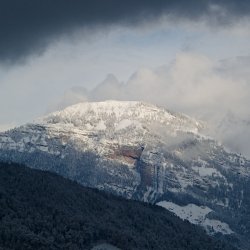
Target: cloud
5 127
110 88
28 27
72 96
195 85
192 84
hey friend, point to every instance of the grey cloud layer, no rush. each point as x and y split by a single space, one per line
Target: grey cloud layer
28 26
194 85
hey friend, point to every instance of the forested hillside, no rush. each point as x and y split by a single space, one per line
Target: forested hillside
41 210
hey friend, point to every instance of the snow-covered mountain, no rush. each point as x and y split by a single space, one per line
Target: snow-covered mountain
140 151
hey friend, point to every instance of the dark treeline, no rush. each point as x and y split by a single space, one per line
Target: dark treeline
41 210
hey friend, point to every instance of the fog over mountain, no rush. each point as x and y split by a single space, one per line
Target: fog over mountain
188 56
217 93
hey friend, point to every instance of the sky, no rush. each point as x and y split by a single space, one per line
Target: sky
188 56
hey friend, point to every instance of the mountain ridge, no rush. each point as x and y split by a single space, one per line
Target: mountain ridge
138 151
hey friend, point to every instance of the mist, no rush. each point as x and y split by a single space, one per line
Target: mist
215 92
188 56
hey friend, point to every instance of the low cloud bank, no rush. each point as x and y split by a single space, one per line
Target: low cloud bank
216 92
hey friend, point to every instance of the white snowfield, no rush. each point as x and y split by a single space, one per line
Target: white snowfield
197 215
120 115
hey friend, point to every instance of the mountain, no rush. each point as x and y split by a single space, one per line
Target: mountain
41 210
142 152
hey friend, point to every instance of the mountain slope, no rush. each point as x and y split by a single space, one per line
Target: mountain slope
140 151
40 210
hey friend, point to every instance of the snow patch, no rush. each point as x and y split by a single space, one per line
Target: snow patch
206 171
125 114
197 215
125 123
217 226
101 126
42 148
191 212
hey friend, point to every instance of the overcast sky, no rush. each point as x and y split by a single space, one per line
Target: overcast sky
189 56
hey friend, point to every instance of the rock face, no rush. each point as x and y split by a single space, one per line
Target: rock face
139 151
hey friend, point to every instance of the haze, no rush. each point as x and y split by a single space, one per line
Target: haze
187 56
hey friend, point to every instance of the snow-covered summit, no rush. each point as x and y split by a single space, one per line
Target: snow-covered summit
119 114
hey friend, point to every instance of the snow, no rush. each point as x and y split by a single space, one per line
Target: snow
122 113
6 139
197 215
217 226
207 171
184 183
125 123
100 126
223 203
43 148
6 127
191 212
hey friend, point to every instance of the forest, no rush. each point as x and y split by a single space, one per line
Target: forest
41 210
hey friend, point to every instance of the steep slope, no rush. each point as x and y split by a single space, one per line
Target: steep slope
40 210
143 152
115 132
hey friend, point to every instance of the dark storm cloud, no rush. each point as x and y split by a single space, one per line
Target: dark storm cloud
28 26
